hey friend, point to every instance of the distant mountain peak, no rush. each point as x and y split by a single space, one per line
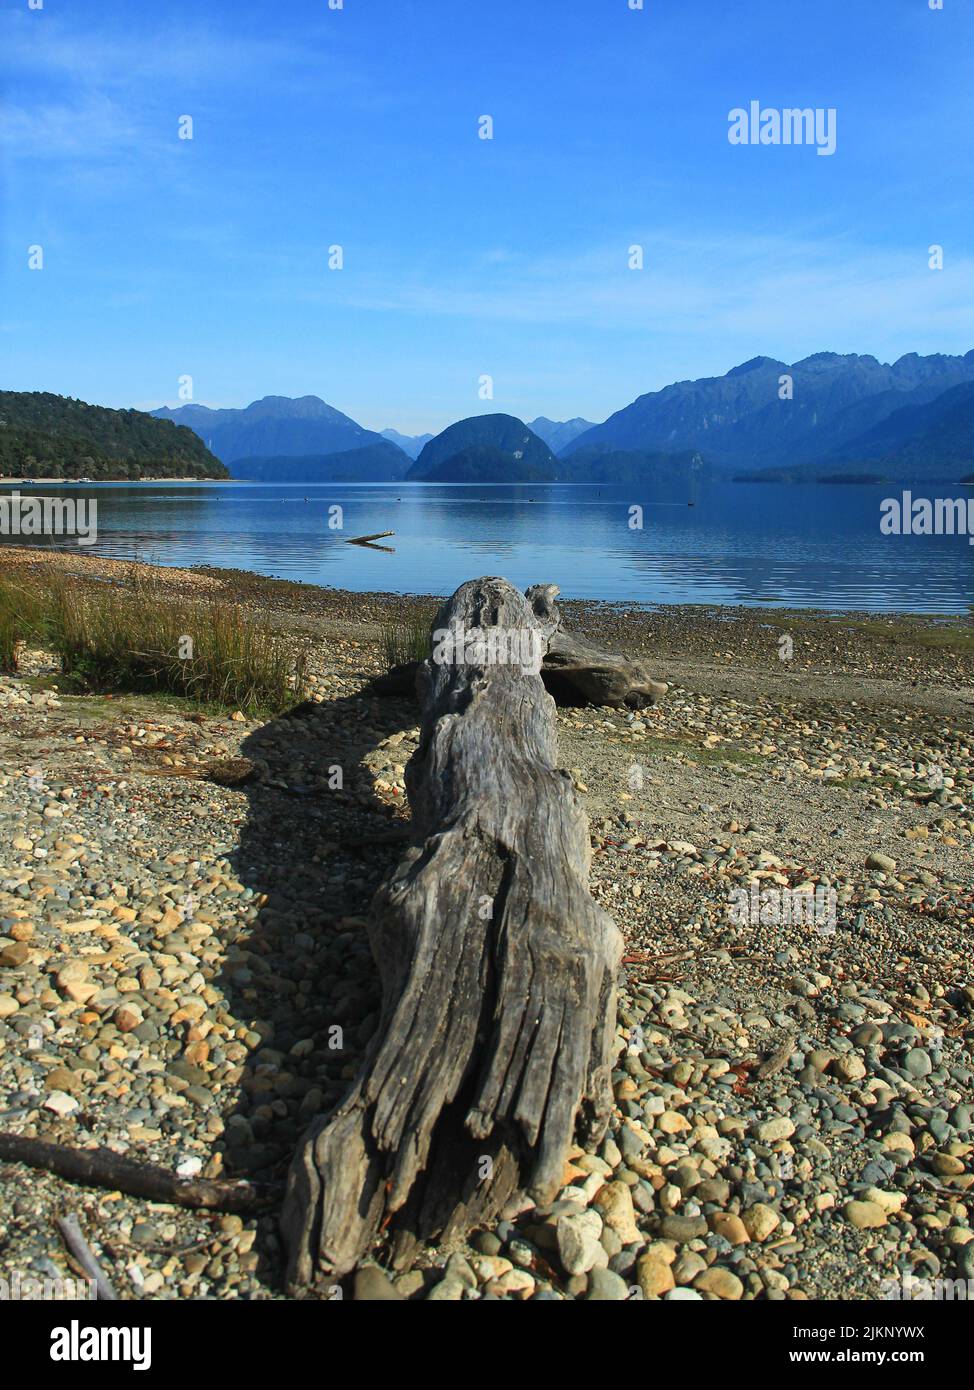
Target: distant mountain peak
294 407
754 364
274 426
558 434
410 444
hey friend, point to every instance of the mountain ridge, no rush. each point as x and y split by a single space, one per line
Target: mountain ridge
43 435
741 418
929 441
273 426
840 415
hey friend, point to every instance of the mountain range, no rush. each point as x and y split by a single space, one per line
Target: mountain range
829 416
766 413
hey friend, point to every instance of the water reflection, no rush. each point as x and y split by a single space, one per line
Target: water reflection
734 543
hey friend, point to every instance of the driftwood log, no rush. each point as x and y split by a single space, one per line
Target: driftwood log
574 671
105 1168
498 970
577 672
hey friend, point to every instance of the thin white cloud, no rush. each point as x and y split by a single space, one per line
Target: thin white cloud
89 128
61 47
765 286
112 89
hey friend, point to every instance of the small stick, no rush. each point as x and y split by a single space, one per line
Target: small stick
85 1257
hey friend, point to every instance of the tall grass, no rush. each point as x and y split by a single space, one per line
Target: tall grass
23 618
408 639
128 638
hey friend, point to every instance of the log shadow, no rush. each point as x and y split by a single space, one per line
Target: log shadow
298 977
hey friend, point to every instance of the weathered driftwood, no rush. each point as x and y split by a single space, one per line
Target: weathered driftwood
367 540
372 542
105 1168
578 672
85 1257
574 671
498 975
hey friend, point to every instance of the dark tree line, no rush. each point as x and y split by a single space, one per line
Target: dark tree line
48 436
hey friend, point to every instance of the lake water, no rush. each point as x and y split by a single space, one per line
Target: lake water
737 544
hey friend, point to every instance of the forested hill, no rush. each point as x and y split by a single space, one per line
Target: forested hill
47 436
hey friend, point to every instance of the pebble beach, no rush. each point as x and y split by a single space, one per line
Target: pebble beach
185 974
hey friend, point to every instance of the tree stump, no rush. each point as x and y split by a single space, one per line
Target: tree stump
498 971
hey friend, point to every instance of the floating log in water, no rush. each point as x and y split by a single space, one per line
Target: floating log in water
498 973
367 540
574 671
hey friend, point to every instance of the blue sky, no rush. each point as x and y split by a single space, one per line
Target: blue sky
464 257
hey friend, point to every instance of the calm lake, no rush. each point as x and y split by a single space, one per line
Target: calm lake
736 544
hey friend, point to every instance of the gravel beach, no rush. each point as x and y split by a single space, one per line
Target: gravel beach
185 976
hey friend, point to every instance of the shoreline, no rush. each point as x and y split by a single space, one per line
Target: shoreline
106 482
14 556
866 480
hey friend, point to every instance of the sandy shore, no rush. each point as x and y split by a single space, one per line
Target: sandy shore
174 952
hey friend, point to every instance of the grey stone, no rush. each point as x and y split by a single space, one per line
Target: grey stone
917 1062
606 1286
